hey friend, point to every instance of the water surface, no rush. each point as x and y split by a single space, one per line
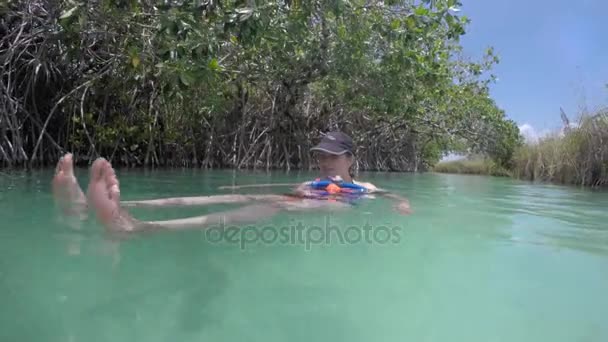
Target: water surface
481 259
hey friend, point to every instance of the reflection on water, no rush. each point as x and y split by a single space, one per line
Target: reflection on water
481 259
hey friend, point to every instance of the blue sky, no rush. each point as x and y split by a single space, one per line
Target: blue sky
552 53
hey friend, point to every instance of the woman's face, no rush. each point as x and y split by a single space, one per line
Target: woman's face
334 165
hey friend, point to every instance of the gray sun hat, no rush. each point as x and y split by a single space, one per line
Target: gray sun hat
335 143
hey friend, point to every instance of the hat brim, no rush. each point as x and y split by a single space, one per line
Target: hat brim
330 148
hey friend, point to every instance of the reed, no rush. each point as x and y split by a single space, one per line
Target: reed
577 156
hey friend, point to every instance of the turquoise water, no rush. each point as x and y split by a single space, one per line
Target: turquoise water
481 259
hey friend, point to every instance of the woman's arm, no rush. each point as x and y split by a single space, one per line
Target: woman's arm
402 204
236 187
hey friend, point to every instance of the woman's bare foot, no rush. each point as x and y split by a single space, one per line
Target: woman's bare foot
104 196
66 191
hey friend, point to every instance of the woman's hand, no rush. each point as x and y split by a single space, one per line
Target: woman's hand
403 208
402 204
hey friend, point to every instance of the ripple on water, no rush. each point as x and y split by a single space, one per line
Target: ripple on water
566 228
532 214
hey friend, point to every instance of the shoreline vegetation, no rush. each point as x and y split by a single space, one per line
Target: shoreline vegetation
472 166
578 155
242 84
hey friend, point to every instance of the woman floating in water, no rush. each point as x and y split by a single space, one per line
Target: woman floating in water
333 189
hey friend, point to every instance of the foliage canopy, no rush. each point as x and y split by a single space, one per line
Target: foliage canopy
246 83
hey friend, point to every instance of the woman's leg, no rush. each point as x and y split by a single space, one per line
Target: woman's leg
104 197
72 201
201 200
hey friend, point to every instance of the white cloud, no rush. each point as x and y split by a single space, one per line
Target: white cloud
530 134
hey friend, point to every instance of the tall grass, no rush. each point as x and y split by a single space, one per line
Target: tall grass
577 156
473 166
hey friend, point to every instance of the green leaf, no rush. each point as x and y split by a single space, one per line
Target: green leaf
135 61
214 65
173 28
450 20
244 13
186 78
244 10
421 11
395 24
68 13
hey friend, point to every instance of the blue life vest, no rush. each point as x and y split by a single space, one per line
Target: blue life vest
322 189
